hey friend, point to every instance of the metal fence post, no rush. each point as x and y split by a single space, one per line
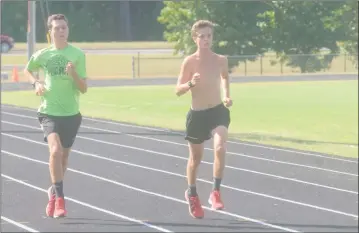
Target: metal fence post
245 67
31 28
138 64
345 62
133 67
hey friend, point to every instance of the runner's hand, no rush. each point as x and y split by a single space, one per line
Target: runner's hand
227 102
195 79
70 68
39 89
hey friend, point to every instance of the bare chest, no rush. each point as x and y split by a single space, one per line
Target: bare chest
209 72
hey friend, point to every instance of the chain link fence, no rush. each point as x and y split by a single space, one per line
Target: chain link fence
167 65
147 66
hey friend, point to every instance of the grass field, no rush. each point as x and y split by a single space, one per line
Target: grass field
314 116
168 65
108 45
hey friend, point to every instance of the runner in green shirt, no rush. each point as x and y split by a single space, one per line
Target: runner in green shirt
64 67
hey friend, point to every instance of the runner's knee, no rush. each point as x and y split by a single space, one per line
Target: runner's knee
220 138
195 155
56 151
194 161
219 148
55 146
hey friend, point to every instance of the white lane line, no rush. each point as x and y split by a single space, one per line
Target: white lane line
205 162
295 152
182 144
83 203
170 155
209 163
229 141
152 193
233 142
210 149
22 226
225 186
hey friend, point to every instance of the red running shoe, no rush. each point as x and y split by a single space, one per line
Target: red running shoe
215 200
194 206
50 208
60 210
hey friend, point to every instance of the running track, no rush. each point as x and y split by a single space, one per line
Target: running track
128 178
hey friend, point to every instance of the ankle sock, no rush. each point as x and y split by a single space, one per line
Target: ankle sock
192 191
216 183
58 187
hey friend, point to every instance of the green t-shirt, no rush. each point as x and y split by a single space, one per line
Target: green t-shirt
61 97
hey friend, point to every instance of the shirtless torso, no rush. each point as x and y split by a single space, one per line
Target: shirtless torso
206 92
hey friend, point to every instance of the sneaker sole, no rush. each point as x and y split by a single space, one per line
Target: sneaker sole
50 216
60 216
210 202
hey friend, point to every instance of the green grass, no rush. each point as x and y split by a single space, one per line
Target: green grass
108 45
314 116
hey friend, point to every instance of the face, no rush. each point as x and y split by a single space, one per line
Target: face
204 38
59 31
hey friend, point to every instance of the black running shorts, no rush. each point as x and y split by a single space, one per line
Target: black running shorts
65 126
199 124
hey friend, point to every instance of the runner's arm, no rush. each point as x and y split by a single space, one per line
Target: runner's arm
32 66
183 78
225 77
80 75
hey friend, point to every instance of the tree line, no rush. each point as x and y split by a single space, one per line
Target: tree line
300 28
244 27
89 21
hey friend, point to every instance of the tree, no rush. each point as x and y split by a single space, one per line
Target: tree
300 28
236 33
347 16
87 21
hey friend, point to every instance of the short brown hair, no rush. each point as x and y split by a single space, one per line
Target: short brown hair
55 17
201 24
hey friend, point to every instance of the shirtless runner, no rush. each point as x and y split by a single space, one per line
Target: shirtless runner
203 73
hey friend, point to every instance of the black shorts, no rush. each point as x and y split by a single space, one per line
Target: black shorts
65 126
199 124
